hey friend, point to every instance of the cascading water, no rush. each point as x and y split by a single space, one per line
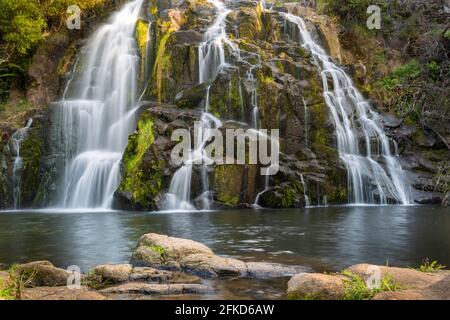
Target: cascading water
97 114
211 54
356 123
16 141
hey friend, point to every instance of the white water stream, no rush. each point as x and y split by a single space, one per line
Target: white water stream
375 174
97 114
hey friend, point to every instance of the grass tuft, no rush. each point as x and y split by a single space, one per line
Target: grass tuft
428 266
356 288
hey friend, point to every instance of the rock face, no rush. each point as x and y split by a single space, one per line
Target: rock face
288 93
43 273
272 73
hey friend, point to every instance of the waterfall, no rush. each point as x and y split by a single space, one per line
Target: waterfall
253 88
356 124
305 195
16 141
211 53
97 112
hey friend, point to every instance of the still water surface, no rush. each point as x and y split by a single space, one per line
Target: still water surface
318 238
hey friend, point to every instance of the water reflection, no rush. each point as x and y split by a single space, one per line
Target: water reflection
319 238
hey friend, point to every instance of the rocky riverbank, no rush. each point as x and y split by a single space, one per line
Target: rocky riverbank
164 267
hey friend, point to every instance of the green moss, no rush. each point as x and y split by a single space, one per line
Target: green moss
6 290
406 72
141 36
227 183
162 59
143 179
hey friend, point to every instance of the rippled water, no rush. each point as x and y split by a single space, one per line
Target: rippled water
318 238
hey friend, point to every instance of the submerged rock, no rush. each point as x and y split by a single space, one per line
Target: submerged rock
159 289
210 265
265 270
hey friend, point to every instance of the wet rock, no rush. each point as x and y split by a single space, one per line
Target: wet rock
282 196
60 293
212 266
157 289
161 251
186 37
391 120
150 274
407 278
191 97
316 286
43 76
264 270
43 274
114 272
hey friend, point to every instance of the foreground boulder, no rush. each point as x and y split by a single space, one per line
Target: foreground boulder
60 293
43 274
169 253
161 251
407 278
439 290
114 272
402 284
315 286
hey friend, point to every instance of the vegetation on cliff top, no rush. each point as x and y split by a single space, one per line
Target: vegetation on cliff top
23 25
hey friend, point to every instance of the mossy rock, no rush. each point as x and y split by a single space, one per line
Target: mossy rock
142 180
228 180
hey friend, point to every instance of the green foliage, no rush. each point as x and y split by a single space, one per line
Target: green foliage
402 74
18 281
6 290
348 10
357 289
428 266
434 69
